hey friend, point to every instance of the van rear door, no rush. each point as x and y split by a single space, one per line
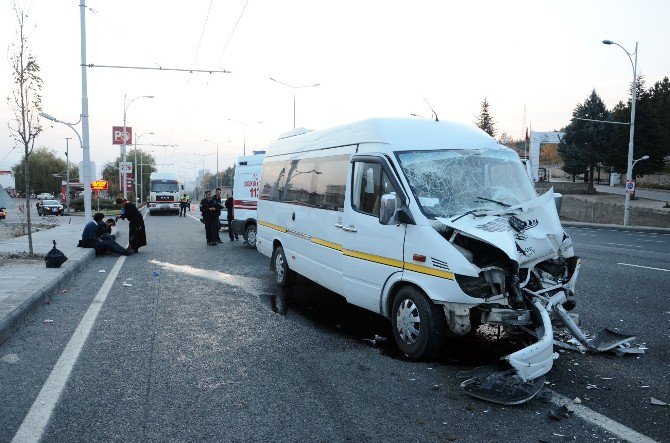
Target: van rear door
371 251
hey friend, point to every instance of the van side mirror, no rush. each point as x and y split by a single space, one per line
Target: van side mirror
387 209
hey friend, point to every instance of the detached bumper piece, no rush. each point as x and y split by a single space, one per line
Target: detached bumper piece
502 387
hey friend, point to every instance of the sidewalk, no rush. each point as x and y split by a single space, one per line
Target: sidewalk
650 194
25 284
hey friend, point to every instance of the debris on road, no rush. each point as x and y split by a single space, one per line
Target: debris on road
48 320
156 273
657 402
102 271
374 342
560 413
591 386
577 401
127 282
502 387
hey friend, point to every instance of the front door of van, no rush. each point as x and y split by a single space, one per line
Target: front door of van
371 252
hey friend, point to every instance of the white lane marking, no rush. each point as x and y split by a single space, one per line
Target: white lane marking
194 218
38 416
611 426
645 267
622 244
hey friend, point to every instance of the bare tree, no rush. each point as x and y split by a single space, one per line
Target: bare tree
25 102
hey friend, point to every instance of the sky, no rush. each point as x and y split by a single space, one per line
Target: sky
370 58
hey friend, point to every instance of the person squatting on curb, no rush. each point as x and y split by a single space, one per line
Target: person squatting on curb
136 231
89 238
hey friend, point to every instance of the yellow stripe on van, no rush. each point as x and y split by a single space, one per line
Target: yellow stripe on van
271 226
327 244
372 258
429 271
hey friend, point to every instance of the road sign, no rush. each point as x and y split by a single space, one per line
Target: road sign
100 185
630 186
125 167
117 135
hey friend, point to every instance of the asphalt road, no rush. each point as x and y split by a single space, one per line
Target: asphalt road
194 350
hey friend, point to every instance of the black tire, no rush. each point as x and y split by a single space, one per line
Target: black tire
284 276
418 324
250 236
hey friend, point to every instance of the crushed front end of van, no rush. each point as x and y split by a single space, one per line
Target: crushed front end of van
526 276
511 259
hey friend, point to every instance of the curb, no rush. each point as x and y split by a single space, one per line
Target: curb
19 316
616 227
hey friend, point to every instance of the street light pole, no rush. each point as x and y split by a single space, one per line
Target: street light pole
294 88
244 139
67 174
629 169
86 160
137 139
125 139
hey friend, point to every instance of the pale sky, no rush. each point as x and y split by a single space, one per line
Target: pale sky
371 59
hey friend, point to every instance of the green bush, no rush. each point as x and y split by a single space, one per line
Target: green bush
106 204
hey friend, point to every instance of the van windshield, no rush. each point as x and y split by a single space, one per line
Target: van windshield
451 182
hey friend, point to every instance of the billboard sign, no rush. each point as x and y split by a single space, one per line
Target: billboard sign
118 137
100 185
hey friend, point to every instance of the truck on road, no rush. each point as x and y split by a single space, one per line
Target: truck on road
164 193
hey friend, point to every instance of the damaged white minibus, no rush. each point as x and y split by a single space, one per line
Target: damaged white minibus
431 224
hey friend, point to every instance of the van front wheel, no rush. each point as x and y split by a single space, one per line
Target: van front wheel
283 275
418 324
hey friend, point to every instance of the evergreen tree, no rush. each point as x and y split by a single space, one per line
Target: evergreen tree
649 133
485 120
584 143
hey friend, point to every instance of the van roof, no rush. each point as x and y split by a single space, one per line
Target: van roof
400 133
250 160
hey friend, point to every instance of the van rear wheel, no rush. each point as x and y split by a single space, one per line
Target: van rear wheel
250 236
284 277
418 324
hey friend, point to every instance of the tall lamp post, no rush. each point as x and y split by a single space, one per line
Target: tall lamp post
195 177
294 88
203 163
67 174
84 175
244 138
629 169
125 139
137 139
217 159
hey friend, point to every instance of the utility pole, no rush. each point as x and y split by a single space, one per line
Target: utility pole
67 174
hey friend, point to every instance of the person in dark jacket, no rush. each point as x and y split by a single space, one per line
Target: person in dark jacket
230 204
105 229
136 231
90 239
217 198
208 210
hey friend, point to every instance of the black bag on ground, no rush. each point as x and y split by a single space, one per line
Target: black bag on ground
54 258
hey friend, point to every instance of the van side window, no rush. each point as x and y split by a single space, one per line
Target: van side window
328 192
314 182
369 184
273 178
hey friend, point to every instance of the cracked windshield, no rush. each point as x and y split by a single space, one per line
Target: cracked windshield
450 182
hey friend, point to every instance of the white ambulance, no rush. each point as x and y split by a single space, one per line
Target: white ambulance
246 182
431 224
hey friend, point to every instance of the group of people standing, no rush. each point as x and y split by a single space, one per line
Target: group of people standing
210 208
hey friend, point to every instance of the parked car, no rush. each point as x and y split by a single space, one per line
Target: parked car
45 196
3 213
49 207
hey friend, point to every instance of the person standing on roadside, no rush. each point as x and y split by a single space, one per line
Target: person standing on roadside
208 211
136 231
182 206
230 204
219 206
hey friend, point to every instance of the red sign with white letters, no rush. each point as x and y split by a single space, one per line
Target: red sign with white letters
117 135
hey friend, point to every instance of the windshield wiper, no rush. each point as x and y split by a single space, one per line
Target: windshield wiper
504 205
475 212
